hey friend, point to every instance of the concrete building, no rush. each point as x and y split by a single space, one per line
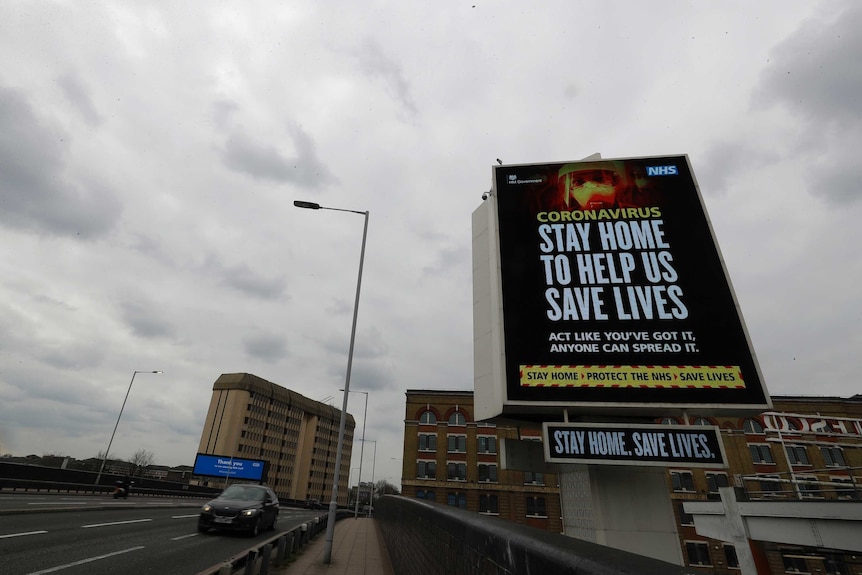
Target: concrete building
252 418
450 458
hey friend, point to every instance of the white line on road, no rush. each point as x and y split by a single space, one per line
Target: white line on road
83 561
62 503
115 523
22 534
185 516
183 537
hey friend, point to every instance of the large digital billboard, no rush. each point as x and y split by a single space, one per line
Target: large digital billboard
209 465
608 289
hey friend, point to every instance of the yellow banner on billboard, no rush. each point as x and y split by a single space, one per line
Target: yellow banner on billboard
643 376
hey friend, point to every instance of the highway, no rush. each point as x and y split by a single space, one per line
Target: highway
96 535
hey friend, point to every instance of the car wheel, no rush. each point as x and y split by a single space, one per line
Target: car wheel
203 528
255 528
274 523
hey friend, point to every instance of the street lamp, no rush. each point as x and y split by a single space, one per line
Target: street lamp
122 407
373 465
361 452
333 504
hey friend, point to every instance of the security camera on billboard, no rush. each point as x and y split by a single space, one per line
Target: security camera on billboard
613 288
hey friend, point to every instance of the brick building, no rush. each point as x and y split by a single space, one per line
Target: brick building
450 458
252 418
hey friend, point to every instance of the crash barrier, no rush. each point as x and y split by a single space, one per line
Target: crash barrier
23 477
426 538
275 551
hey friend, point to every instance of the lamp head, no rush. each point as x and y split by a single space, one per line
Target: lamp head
306 205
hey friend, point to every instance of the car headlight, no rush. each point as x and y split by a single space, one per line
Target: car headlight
249 512
206 509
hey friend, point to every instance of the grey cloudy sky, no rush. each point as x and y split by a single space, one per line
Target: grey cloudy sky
150 153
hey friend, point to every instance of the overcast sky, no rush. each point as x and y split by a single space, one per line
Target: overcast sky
150 154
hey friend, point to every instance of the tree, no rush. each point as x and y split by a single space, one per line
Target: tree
383 487
141 460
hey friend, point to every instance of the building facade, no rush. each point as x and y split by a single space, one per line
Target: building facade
252 418
450 458
807 448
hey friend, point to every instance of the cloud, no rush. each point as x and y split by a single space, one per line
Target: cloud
244 279
376 63
35 192
267 162
269 348
815 75
145 320
79 97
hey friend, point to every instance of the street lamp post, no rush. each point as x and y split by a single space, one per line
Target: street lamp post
361 452
333 504
122 407
373 465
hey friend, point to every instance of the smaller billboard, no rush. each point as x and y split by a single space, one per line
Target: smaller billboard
209 465
623 444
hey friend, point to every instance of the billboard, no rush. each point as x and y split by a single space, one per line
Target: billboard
606 289
209 465
620 444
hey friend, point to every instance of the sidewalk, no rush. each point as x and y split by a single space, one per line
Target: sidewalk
357 549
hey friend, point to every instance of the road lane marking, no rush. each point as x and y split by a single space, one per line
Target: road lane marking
63 503
22 534
84 561
115 523
183 537
185 516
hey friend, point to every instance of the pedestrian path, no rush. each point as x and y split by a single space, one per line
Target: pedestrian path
357 549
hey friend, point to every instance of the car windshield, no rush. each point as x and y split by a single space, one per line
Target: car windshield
243 492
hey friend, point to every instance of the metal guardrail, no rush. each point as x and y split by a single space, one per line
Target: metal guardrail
275 551
26 485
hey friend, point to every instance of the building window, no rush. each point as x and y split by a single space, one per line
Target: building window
486 444
833 456
426 470
716 480
684 518
698 553
835 564
730 556
794 564
536 507
427 495
457 444
797 455
701 421
761 453
668 421
488 473
457 418
769 485
489 504
807 490
456 471
844 487
427 442
533 478
752 426
428 418
457 500
682 480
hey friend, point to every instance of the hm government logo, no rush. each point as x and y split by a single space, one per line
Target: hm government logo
662 171
513 179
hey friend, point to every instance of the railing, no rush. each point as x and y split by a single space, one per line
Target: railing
425 538
26 485
804 484
274 551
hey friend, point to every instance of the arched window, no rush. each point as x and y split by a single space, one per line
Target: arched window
668 421
457 418
428 417
752 426
701 421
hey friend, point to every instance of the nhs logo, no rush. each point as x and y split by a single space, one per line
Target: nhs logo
661 171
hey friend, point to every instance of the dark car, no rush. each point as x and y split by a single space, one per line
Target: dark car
313 504
240 507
